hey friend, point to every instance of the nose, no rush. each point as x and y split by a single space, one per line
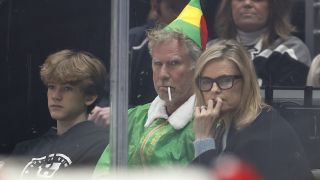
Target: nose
56 94
215 88
247 2
164 72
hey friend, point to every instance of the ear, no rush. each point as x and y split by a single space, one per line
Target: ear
90 99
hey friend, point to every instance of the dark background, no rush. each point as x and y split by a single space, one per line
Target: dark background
31 30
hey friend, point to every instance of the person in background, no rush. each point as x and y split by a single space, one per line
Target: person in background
231 118
314 73
75 82
160 132
141 89
264 28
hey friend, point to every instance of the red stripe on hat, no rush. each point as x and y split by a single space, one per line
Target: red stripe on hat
203 32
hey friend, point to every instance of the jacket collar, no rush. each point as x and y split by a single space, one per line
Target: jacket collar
178 119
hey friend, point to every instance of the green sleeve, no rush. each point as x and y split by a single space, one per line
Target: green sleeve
104 163
135 116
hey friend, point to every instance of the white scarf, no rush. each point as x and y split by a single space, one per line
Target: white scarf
178 119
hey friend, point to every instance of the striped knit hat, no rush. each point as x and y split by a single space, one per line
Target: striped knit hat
191 22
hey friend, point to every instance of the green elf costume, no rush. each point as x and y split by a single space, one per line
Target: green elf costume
156 139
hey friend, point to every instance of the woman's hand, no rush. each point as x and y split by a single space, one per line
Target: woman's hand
205 117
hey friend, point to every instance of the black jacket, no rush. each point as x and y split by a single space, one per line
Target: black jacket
141 89
50 154
270 144
284 63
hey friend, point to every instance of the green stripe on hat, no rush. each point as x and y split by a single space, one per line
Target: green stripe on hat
194 4
191 23
187 29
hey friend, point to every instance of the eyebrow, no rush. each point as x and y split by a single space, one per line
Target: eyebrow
175 57
219 76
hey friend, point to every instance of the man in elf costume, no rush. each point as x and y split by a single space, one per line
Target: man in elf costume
160 132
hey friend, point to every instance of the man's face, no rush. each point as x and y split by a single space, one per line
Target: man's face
250 15
66 102
172 67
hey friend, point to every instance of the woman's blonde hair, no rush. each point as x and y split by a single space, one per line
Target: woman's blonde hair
278 24
251 103
314 73
78 68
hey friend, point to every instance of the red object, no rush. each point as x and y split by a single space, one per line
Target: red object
234 169
203 32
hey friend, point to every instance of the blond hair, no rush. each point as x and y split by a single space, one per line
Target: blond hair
251 103
159 35
78 68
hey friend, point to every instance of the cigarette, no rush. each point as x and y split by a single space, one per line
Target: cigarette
169 93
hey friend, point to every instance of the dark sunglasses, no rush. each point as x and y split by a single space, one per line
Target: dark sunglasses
223 82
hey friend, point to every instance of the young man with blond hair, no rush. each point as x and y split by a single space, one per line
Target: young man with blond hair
75 82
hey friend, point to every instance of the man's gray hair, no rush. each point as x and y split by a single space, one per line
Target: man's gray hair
158 36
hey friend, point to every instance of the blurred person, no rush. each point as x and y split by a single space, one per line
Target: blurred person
264 28
231 118
160 132
141 89
75 81
229 167
314 73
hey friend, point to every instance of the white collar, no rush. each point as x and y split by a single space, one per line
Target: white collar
178 119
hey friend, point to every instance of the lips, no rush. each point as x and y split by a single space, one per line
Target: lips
55 106
164 88
247 14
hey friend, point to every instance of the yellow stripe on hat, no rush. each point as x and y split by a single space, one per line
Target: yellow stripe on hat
191 15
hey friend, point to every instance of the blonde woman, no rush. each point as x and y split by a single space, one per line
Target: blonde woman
230 117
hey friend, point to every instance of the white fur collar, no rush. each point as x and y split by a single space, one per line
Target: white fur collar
178 119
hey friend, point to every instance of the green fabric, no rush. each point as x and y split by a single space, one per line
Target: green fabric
157 145
191 31
195 3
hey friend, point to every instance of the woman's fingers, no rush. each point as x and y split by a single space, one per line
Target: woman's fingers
210 104
205 116
217 108
197 111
